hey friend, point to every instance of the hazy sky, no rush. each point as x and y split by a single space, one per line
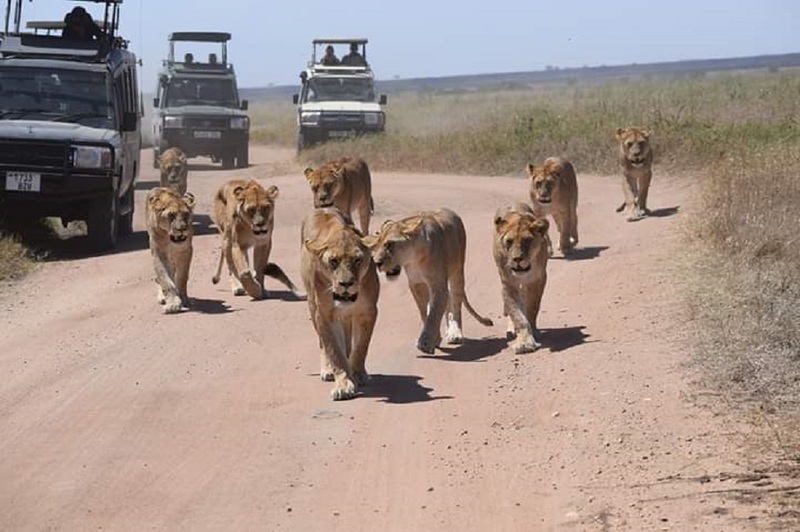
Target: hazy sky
413 38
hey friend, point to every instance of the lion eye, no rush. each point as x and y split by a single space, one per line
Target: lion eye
629 144
389 246
171 216
333 263
508 243
357 262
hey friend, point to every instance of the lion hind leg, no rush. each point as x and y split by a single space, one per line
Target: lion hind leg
277 273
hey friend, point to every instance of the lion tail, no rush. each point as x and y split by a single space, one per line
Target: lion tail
621 207
275 271
482 320
215 279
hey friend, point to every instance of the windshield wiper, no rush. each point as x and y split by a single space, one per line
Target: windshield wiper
4 113
78 116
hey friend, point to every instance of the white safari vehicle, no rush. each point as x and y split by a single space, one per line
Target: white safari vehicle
337 96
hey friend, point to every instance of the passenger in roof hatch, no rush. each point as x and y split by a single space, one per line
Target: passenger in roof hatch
79 26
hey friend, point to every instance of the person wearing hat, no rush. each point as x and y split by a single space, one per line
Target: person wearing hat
329 59
354 58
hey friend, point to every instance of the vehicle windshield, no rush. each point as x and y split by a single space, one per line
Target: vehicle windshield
338 89
55 95
198 91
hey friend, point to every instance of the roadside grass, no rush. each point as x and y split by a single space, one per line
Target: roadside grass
15 260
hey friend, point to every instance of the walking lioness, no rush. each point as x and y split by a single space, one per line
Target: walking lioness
345 184
174 170
636 159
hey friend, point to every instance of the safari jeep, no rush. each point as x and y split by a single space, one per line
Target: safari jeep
337 100
197 106
69 125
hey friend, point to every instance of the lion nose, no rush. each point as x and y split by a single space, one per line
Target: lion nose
347 284
378 263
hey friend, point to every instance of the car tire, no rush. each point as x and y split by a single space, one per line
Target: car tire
243 157
302 143
125 226
156 155
103 221
228 160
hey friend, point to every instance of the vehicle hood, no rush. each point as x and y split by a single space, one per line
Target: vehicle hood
203 110
356 107
67 131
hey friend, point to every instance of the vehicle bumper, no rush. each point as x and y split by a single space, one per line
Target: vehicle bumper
203 142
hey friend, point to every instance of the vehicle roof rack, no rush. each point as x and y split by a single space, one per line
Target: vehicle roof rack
221 37
340 41
200 36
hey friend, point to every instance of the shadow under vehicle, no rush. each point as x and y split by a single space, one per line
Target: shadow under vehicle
337 100
69 124
197 106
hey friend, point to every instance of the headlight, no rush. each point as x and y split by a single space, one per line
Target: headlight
173 122
309 119
240 122
91 157
373 119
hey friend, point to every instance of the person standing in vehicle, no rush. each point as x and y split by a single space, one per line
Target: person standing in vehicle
80 26
354 58
329 59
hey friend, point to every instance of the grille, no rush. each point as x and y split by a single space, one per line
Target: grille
342 118
199 122
34 153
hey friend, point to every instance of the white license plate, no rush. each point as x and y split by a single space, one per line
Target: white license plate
338 134
208 134
24 181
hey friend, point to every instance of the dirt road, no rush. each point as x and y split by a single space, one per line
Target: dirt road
116 417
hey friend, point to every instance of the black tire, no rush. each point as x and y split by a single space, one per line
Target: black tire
228 160
125 225
243 157
302 143
103 221
156 155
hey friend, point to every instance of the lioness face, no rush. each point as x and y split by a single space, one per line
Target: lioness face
257 207
344 262
544 181
635 144
174 215
325 184
389 246
523 238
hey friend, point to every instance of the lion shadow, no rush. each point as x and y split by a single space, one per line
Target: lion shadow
210 306
583 253
471 350
285 295
663 212
560 339
147 185
398 389
203 225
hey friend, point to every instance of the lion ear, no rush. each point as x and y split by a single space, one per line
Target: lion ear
620 132
541 225
530 168
188 199
238 191
182 158
154 198
647 132
273 192
314 246
411 227
554 165
370 241
308 171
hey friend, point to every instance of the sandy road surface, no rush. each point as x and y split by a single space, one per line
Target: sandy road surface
116 417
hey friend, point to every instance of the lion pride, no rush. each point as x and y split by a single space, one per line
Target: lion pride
636 159
174 170
521 248
168 218
431 247
244 212
342 286
345 184
554 191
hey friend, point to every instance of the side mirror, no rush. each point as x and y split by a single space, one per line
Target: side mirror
295 98
245 104
155 102
382 99
129 121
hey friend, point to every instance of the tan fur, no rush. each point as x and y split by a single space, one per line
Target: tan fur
168 217
342 286
431 247
244 212
174 170
521 249
554 191
636 160
345 184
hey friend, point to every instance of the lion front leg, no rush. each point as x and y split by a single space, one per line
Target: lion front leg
183 261
525 340
644 189
167 291
362 328
562 220
242 280
630 187
260 261
343 385
430 337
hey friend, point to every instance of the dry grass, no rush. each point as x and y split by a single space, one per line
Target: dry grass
15 260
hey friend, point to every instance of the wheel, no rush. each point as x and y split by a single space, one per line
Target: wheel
243 157
126 220
303 143
156 155
102 222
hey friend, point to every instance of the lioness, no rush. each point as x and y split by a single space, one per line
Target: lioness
244 213
636 159
521 249
174 170
554 190
169 228
345 184
342 286
431 247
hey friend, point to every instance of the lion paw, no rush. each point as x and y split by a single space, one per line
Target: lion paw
326 375
454 338
426 345
344 389
173 306
521 348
